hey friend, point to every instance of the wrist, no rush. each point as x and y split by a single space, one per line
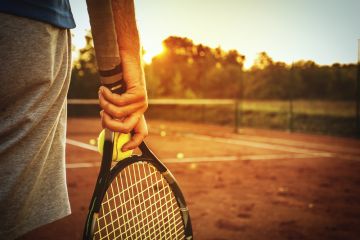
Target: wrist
133 69
131 56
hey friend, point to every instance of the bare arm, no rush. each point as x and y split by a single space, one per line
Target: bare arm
128 37
125 24
130 106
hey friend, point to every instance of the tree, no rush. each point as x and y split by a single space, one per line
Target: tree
189 70
84 78
204 72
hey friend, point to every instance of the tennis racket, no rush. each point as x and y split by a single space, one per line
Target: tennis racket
138 197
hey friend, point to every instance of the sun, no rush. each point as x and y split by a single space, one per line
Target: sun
152 50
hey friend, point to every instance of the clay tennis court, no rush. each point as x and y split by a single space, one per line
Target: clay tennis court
258 184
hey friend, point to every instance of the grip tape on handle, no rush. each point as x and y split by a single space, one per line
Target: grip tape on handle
119 86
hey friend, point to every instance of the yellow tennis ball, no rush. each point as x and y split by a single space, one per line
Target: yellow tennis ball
119 140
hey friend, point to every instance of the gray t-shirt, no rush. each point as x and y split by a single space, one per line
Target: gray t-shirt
34 75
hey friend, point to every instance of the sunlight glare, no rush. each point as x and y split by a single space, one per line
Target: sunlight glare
152 51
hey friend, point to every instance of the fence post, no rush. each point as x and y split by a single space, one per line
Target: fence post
290 93
203 113
236 126
358 93
290 116
238 103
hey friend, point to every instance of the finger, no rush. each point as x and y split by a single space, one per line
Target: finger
134 142
101 118
115 125
130 122
123 99
121 112
141 132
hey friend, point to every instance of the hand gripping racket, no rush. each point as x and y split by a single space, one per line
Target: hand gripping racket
138 197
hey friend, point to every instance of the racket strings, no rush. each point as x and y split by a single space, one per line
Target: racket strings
139 204
116 195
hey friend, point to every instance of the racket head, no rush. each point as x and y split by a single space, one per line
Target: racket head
140 200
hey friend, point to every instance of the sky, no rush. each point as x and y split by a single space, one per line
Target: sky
325 31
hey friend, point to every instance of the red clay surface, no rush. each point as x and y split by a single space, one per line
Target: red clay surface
275 185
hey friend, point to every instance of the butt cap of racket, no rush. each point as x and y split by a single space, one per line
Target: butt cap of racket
119 140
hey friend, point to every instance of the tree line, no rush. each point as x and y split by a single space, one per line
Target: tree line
188 70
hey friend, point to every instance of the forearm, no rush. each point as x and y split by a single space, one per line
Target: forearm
125 24
128 39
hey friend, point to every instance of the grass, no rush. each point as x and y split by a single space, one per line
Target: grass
306 107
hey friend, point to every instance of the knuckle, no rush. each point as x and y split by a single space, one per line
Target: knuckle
111 95
111 127
104 123
106 106
142 96
126 129
146 105
101 103
140 93
119 113
111 110
119 101
105 120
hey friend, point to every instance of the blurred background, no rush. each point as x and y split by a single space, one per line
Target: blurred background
264 64
254 107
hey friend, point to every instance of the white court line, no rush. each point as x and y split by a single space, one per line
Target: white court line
81 144
260 145
83 165
237 158
194 159
280 141
271 146
295 153
228 141
207 159
297 143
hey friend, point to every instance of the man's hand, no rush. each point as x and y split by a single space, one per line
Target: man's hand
123 113
139 133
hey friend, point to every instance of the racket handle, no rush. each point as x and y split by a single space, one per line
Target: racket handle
105 41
